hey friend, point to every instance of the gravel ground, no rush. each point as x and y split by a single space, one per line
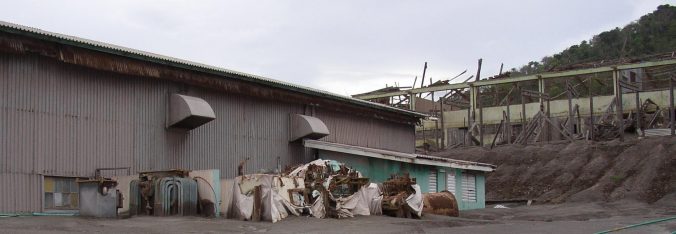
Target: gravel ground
568 218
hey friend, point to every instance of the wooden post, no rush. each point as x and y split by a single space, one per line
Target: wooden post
469 115
443 129
591 111
549 126
618 96
638 114
432 91
481 116
436 133
570 107
473 100
541 90
671 105
469 121
424 136
523 111
422 81
257 212
478 71
495 138
508 124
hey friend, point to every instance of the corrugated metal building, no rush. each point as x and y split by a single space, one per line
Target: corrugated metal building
70 105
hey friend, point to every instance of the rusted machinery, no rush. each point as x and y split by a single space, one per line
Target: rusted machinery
328 180
395 191
163 193
441 203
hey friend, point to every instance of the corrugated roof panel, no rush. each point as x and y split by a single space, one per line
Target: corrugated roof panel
138 54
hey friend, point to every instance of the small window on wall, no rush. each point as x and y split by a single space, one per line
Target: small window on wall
433 181
61 193
450 181
468 187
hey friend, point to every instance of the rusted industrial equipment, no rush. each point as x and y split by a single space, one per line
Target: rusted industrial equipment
163 193
395 191
327 180
441 203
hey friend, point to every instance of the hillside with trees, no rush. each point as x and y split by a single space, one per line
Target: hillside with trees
653 33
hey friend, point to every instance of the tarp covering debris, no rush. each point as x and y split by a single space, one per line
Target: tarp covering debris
322 189
415 201
273 206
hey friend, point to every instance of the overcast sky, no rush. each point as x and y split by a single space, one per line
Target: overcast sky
345 47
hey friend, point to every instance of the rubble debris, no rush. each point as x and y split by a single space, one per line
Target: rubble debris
333 187
401 197
321 188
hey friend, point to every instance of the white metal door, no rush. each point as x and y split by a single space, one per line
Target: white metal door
468 187
433 181
450 181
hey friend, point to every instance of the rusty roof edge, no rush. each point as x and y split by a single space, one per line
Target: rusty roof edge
189 65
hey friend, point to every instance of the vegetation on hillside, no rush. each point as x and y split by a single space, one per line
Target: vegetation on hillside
652 34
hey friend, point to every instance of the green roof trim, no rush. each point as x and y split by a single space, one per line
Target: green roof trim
189 65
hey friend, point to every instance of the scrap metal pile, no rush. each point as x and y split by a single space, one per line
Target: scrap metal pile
323 189
335 190
396 192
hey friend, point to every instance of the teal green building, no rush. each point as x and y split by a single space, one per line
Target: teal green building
466 180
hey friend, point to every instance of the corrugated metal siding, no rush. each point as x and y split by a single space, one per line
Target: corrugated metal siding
64 120
25 194
368 132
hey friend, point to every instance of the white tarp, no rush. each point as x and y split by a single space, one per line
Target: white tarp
274 206
361 203
317 209
276 201
415 201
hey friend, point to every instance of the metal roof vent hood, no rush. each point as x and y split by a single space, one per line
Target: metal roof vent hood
186 112
303 126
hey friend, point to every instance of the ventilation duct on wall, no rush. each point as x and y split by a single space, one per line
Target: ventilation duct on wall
308 127
187 112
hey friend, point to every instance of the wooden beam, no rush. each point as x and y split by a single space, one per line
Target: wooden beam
671 105
618 96
548 75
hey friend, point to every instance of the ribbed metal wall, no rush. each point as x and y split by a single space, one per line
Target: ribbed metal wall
369 132
25 193
63 120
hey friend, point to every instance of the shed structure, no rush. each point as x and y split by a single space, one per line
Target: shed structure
466 180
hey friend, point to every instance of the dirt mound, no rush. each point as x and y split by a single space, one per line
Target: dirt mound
643 170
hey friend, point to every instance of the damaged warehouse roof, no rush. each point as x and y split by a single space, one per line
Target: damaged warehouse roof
184 64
